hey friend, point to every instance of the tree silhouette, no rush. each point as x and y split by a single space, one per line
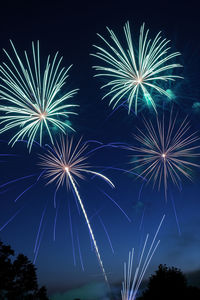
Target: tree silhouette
169 283
6 272
18 279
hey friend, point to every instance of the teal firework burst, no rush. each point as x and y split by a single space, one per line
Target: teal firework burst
134 72
31 100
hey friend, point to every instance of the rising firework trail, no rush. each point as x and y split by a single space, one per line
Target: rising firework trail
130 286
134 73
36 177
165 151
30 99
66 162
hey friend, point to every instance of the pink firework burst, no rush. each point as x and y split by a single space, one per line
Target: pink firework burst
166 150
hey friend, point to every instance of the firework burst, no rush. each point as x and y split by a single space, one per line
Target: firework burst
165 151
135 72
30 99
63 164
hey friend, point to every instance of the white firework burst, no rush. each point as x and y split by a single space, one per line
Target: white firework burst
30 99
135 72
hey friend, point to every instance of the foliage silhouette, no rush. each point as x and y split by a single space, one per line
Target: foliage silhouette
18 279
169 283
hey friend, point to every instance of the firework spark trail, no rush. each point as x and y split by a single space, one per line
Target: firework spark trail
90 219
165 151
111 145
80 255
35 143
77 206
148 257
125 171
109 197
3 192
123 104
140 191
16 180
39 243
103 226
133 76
64 162
176 216
129 172
96 213
108 237
71 233
54 199
7 155
130 286
91 243
88 223
55 221
30 98
31 186
9 220
39 229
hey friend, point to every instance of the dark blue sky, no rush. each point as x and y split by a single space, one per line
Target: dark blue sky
71 28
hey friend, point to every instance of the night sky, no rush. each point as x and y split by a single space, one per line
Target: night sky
70 28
